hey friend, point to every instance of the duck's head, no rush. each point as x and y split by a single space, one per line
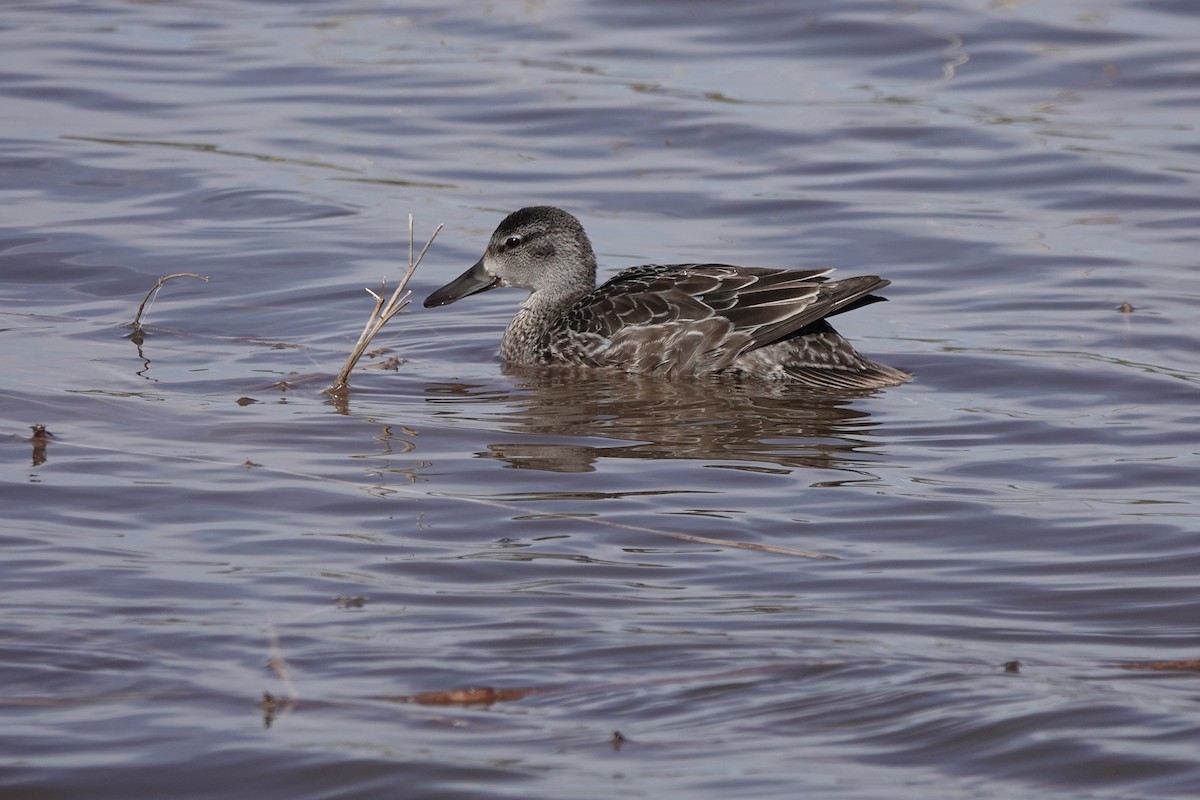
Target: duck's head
540 248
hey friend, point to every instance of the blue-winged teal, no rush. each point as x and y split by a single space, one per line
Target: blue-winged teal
668 320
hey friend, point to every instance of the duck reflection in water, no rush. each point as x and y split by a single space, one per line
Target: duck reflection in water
746 425
669 321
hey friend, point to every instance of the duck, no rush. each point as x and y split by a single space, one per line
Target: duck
667 320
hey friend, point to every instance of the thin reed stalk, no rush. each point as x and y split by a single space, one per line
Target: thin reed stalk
148 300
383 311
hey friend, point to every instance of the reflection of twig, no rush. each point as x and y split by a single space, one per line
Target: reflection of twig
270 704
382 312
150 295
279 666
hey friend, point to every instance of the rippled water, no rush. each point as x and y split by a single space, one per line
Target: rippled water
766 593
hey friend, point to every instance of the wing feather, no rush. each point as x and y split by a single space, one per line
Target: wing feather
694 318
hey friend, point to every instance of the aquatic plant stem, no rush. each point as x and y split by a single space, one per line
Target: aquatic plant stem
150 295
383 311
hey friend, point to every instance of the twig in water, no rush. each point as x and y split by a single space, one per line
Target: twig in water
150 295
382 312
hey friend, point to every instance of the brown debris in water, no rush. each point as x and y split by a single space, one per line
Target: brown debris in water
393 363
270 705
480 695
1184 665
39 440
1013 666
1125 308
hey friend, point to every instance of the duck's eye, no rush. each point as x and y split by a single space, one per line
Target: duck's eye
512 242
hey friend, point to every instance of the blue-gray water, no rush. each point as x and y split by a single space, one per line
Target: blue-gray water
179 545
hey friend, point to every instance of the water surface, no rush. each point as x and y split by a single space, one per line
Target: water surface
933 591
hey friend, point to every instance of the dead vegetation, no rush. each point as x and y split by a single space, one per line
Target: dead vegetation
148 301
384 310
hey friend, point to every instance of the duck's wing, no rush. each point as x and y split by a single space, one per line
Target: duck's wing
693 318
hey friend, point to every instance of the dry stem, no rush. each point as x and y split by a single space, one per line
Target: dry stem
150 295
382 312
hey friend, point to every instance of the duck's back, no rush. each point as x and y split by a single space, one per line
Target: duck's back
690 319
